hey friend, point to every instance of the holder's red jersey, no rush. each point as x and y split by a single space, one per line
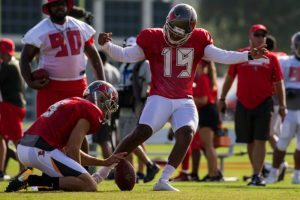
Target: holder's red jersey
173 68
56 124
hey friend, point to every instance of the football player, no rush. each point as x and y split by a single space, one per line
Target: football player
290 127
52 144
62 44
173 53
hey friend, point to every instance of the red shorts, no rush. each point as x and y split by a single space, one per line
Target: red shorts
11 118
196 142
56 91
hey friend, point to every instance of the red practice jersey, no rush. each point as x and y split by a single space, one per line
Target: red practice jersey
56 124
256 79
203 89
173 68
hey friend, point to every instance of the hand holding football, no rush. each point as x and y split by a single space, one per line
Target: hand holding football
39 74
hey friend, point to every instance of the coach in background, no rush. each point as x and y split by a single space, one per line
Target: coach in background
290 128
12 99
256 79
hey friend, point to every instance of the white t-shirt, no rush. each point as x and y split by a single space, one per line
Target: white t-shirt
61 47
291 71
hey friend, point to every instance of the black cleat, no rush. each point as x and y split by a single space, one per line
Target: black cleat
19 182
257 180
152 170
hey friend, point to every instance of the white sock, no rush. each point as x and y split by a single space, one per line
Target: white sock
274 171
167 172
102 173
296 172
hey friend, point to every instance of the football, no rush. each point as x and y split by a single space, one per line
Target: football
125 177
39 74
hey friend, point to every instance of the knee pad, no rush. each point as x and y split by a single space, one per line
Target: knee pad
283 143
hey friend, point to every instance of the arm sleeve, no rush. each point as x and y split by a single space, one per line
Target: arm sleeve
218 55
126 55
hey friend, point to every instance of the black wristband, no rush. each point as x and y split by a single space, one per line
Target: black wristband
250 56
222 99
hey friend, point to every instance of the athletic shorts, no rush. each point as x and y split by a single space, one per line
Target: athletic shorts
103 134
159 110
253 124
209 117
56 91
11 118
34 152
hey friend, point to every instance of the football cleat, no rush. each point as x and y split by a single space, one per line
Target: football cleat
257 180
296 179
19 182
182 177
164 185
152 170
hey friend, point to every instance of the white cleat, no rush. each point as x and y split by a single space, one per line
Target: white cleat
273 177
164 185
296 179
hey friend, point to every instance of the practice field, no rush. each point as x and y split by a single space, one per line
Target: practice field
235 166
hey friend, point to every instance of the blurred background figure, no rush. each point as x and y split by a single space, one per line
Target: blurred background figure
255 104
133 90
103 136
290 127
12 101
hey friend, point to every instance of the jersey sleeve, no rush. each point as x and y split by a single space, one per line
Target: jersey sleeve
86 30
144 38
207 38
33 36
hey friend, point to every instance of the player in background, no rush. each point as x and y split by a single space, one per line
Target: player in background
173 53
61 43
290 127
12 101
52 143
133 89
255 88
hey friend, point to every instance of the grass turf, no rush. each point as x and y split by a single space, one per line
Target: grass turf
235 166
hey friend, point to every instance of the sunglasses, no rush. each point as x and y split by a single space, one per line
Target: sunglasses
259 34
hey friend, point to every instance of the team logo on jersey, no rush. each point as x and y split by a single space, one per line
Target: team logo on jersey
41 153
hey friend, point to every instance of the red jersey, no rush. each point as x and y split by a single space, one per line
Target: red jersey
56 124
203 89
173 68
256 79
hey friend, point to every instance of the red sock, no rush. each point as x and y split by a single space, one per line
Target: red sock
186 161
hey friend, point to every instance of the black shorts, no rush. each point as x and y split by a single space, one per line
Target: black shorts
209 117
103 134
253 124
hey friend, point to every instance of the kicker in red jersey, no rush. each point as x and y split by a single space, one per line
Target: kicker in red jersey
173 68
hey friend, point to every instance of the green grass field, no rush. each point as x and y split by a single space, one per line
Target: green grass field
236 166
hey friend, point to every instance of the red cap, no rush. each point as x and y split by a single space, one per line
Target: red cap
45 6
7 46
257 27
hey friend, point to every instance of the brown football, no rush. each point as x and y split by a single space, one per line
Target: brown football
125 177
39 74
